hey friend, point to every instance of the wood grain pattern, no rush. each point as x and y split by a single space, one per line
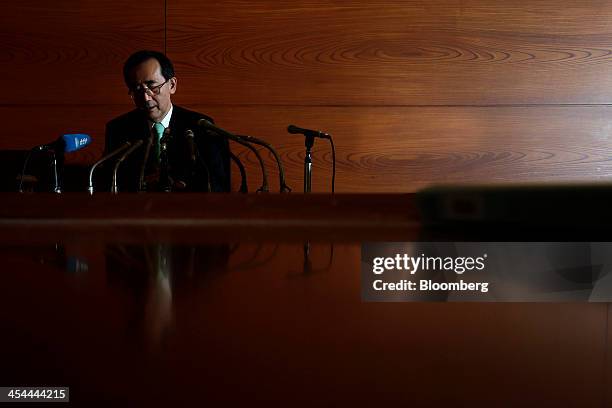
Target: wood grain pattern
72 51
404 149
366 73
33 125
380 149
314 52
258 67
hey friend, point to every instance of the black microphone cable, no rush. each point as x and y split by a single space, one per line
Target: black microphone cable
284 188
224 133
243 177
331 141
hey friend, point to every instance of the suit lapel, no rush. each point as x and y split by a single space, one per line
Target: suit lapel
175 122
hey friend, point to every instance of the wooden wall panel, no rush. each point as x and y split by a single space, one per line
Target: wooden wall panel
401 149
72 51
415 92
317 52
378 149
33 125
61 65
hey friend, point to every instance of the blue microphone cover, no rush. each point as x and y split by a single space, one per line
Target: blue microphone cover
75 141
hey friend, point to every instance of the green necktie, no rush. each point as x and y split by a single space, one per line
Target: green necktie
159 131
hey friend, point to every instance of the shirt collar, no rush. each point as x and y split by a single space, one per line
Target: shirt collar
166 120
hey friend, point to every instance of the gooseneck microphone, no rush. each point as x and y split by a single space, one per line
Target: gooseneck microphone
165 182
192 151
136 145
195 159
284 188
102 160
294 130
141 178
64 144
208 125
165 139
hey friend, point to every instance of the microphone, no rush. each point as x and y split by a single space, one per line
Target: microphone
284 188
208 125
136 145
103 159
165 182
66 143
195 158
309 142
191 148
307 132
165 139
141 179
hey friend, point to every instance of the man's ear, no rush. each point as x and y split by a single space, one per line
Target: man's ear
172 83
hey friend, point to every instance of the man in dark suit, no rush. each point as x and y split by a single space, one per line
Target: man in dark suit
176 153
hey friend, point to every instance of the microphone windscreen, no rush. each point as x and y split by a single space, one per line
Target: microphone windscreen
75 141
190 136
205 123
294 129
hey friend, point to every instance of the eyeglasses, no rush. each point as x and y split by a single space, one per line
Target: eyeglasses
151 91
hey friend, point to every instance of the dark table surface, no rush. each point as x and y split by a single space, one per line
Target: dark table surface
187 300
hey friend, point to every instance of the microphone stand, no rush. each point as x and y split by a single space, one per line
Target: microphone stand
264 186
309 142
23 170
141 183
195 159
115 152
136 145
164 177
56 188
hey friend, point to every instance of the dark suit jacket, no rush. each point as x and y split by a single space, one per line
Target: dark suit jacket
212 165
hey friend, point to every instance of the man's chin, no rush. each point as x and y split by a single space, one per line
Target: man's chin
152 114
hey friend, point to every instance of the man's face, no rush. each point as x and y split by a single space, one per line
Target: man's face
151 98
